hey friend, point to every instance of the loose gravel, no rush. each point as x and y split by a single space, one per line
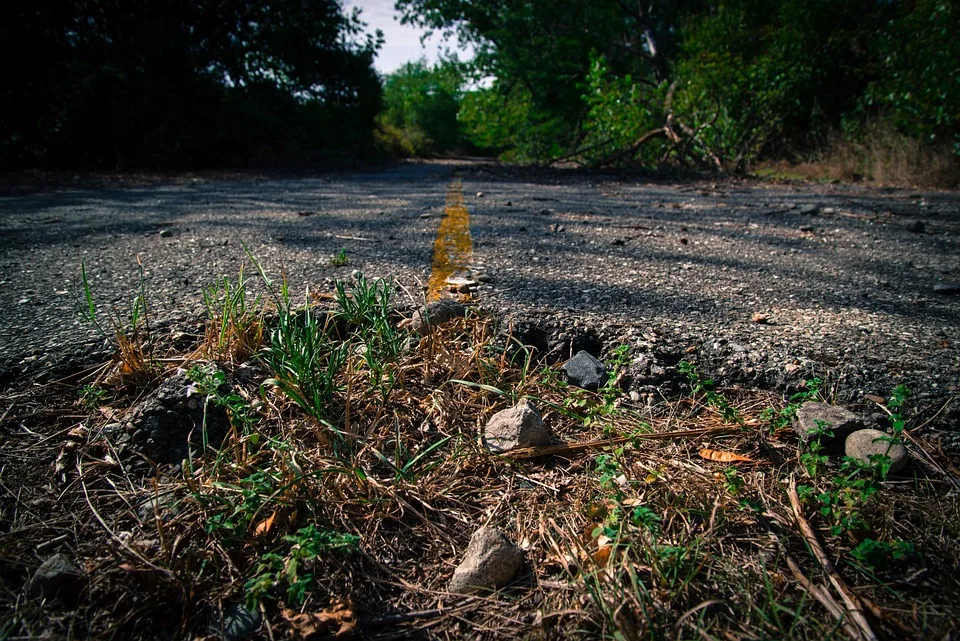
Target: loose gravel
759 284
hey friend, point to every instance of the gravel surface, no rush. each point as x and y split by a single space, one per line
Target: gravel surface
760 284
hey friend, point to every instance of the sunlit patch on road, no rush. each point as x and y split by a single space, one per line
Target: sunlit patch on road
453 249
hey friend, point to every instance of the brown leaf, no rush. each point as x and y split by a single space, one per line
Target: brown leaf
879 400
264 526
338 621
724 457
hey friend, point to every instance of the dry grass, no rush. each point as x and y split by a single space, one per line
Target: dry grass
629 538
881 155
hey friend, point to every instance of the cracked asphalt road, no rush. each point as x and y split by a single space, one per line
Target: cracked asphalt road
765 284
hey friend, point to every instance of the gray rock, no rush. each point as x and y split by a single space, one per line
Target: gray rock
519 426
239 622
947 288
810 210
490 562
163 505
863 444
583 370
55 577
917 227
168 423
436 313
839 420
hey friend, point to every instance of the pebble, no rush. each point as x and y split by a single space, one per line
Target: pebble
239 622
863 444
490 562
841 421
809 209
436 313
55 576
585 371
917 227
519 426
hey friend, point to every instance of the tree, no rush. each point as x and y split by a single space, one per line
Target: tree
111 83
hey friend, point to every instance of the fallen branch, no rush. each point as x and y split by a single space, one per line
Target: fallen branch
853 606
569 448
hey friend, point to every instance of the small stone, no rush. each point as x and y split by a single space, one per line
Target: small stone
239 622
519 426
947 288
546 212
165 233
806 228
863 444
635 396
809 209
55 576
585 371
490 562
840 421
509 203
436 313
917 227
479 194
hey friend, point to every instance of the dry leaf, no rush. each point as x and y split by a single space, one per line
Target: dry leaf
632 502
338 621
264 526
724 457
601 556
879 400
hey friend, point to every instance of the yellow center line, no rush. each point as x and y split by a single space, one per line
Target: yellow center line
453 249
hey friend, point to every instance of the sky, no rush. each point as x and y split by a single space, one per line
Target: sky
401 42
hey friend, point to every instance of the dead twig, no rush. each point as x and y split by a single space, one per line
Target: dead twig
569 448
852 603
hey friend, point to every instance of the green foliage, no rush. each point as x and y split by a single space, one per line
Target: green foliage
919 83
781 419
870 553
710 395
157 84
294 567
306 361
92 396
421 105
340 258
212 385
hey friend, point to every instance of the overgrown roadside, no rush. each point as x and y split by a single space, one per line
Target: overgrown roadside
341 474
346 478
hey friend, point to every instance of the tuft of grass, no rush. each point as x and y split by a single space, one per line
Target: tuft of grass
235 327
340 258
130 329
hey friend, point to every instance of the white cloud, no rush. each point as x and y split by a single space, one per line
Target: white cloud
401 42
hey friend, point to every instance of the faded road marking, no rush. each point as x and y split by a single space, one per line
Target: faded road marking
453 249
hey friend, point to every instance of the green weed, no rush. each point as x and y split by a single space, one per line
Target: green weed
340 258
234 323
711 396
293 568
92 396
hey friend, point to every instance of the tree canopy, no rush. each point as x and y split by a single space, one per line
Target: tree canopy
714 83
109 83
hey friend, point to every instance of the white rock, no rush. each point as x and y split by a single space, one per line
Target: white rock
519 426
490 562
